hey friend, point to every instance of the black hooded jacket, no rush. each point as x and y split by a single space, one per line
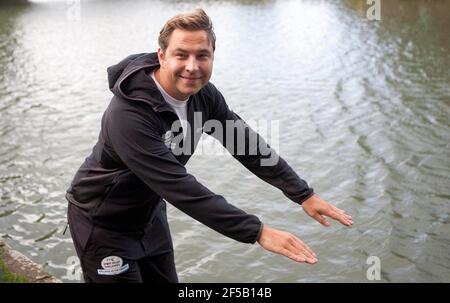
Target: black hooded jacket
133 166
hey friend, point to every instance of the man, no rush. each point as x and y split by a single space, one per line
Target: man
116 212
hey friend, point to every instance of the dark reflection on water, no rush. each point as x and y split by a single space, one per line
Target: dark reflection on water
363 108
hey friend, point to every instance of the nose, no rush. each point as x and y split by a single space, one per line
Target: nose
191 65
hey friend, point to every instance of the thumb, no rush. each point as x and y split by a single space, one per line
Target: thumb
321 219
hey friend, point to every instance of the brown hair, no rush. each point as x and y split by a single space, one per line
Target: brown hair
192 21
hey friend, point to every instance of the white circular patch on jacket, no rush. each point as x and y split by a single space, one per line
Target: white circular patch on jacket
112 265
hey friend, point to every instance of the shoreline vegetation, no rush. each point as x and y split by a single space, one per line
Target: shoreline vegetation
17 268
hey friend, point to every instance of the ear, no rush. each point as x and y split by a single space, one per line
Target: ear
160 57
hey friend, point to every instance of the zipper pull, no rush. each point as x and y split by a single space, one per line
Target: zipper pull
65 229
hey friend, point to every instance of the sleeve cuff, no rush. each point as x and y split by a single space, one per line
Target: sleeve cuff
306 197
259 233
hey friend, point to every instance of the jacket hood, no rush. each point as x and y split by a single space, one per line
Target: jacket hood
130 79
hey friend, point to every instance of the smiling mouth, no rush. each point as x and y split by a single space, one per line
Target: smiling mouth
190 78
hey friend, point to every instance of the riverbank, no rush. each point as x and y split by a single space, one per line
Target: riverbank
17 268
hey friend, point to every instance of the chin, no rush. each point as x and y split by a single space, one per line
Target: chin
190 91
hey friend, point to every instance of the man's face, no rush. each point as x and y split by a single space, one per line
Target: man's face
187 64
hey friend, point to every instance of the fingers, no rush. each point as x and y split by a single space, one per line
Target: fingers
296 257
301 247
297 254
340 211
349 220
297 250
342 217
339 215
306 247
318 208
286 244
321 219
337 209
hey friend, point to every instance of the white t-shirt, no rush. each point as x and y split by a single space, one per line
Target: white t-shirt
179 106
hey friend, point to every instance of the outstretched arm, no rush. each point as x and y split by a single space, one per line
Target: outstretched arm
251 150
136 140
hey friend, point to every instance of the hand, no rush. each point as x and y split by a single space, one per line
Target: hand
318 208
286 244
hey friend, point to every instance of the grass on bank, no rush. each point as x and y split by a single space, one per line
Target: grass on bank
8 277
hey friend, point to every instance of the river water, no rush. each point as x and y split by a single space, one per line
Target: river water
363 110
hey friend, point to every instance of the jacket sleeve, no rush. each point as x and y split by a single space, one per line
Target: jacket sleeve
256 155
135 140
